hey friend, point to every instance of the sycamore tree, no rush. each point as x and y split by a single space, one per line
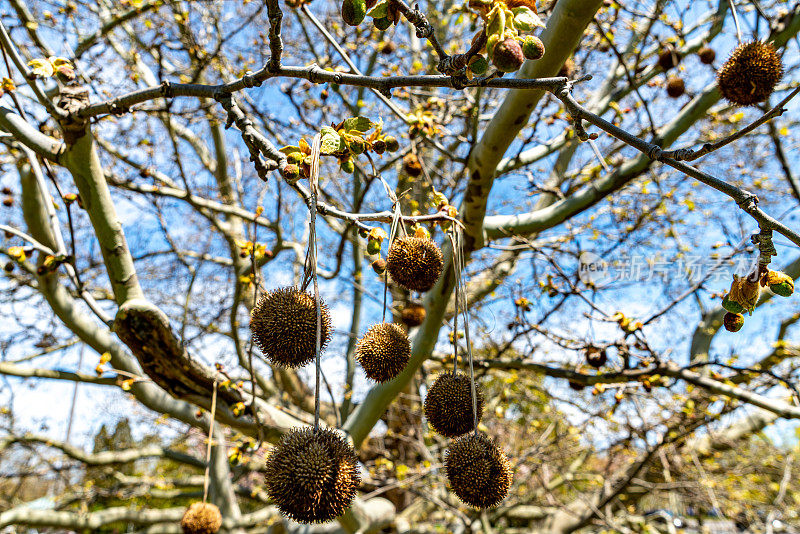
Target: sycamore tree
496 265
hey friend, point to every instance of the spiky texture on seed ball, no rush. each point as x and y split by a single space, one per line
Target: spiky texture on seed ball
312 476
675 87
284 326
448 405
596 357
478 471
415 262
383 352
707 55
750 74
413 315
201 518
733 321
507 55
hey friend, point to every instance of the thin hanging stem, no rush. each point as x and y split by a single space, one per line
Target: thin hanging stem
312 259
461 303
454 246
736 21
210 440
396 218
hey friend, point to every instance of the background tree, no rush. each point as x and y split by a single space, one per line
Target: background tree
147 205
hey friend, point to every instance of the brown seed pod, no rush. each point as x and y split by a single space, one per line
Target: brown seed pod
415 263
379 266
412 165
707 55
312 476
478 471
568 69
669 58
201 518
596 357
383 352
507 55
750 74
675 87
575 386
413 314
448 405
733 321
284 326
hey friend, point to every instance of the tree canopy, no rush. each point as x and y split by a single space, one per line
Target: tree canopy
578 218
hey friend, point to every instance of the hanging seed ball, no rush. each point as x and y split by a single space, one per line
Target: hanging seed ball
448 405
412 165
284 326
507 55
750 74
575 386
568 69
379 266
415 262
413 314
707 55
388 48
478 471
668 58
675 87
201 518
733 321
312 476
596 357
383 352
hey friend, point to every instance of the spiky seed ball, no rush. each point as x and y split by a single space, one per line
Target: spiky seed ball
478 471
533 48
675 87
750 74
448 405
596 357
413 314
707 55
415 262
733 321
284 326
312 476
201 518
507 55
412 165
669 58
383 352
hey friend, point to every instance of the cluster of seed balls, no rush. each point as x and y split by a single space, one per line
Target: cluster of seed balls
747 78
477 469
312 475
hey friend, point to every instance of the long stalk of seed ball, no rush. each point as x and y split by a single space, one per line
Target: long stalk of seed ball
463 293
313 182
458 260
736 21
210 440
396 216
455 303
